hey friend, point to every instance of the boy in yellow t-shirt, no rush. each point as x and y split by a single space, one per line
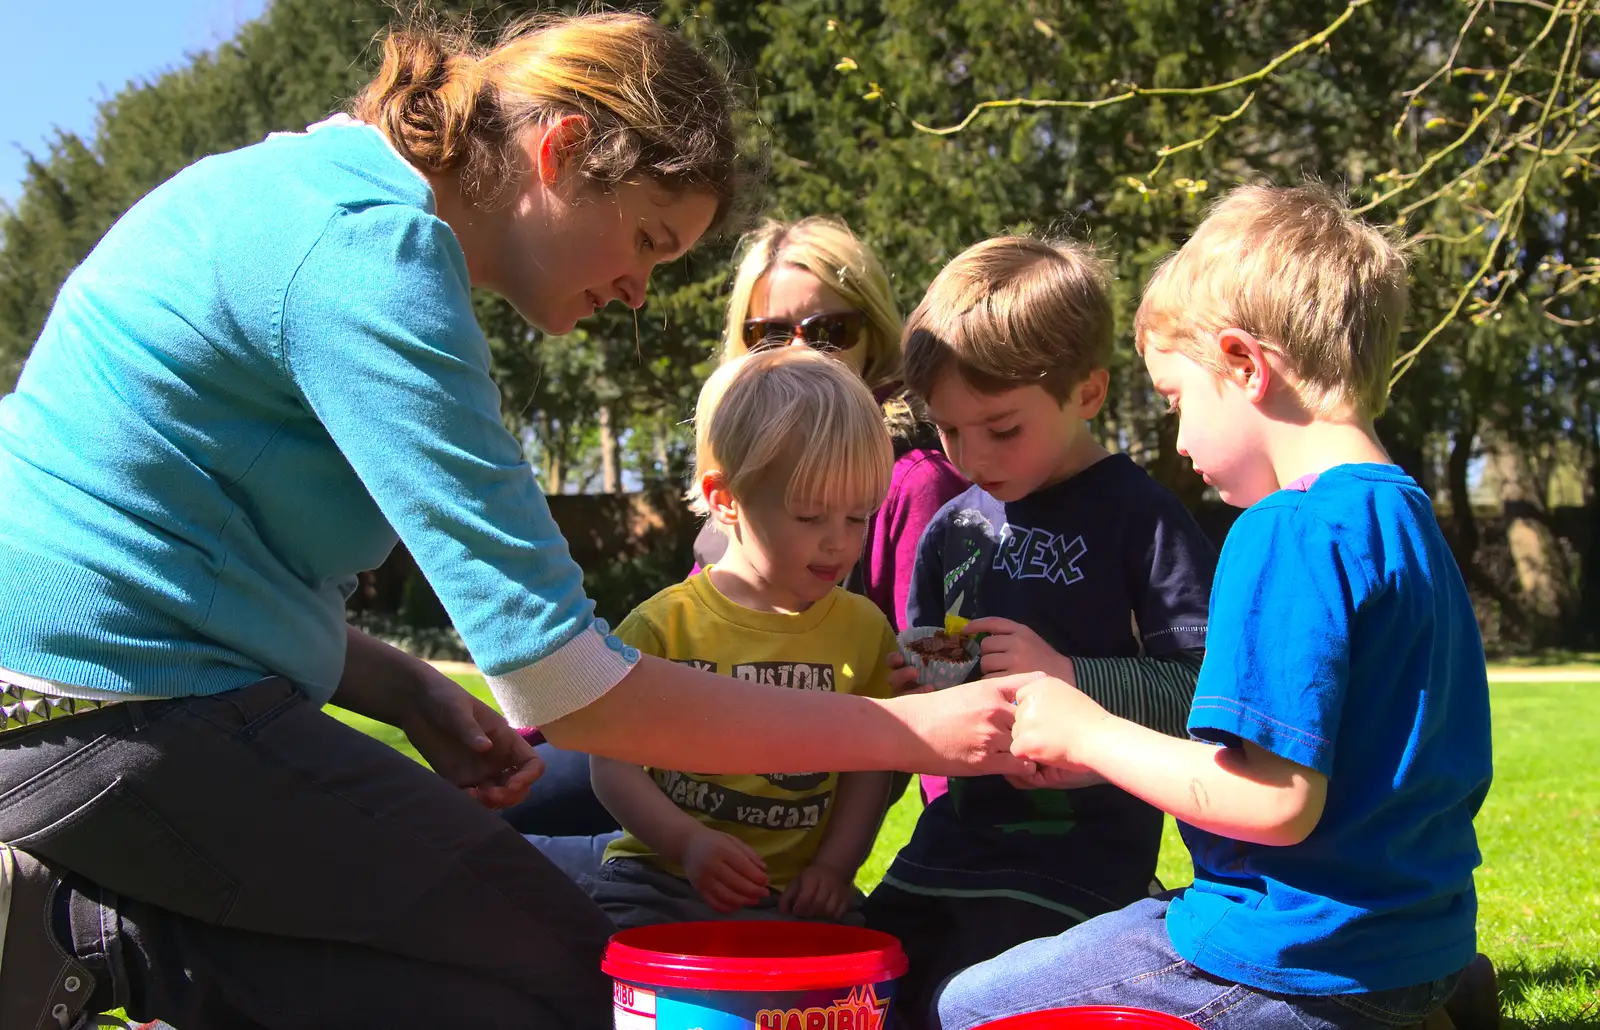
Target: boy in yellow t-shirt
791 460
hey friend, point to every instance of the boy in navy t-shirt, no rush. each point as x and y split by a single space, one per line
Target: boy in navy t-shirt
1061 549
1341 722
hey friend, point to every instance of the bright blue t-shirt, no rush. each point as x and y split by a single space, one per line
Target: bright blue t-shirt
1342 639
266 371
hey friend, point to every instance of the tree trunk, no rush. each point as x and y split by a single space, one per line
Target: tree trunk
610 454
1544 580
1407 453
1463 523
663 462
1171 469
1589 595
553 450
551 453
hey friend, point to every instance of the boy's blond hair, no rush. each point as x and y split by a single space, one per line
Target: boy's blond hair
827 249
1013 311
792 408
1294 268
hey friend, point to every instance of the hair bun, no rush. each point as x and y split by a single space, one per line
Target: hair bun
424 98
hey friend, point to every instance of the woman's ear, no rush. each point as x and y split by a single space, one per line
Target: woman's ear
1246 363
555 144
724 510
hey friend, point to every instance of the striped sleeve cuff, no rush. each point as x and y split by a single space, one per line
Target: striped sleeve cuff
569 678
1153 692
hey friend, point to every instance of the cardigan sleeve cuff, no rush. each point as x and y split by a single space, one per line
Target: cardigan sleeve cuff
569 678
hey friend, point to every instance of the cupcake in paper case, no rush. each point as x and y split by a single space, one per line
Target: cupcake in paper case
941 659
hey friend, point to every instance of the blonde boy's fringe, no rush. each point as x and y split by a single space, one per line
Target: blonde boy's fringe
791 410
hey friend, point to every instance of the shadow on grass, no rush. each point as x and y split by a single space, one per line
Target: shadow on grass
1563 995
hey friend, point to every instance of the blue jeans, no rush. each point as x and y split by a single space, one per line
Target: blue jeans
561 803
1126 958
579 857
943 935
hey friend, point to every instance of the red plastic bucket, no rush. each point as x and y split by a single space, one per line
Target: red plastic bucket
1092 1017
741 975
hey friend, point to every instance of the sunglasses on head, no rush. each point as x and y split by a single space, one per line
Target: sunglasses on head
834 330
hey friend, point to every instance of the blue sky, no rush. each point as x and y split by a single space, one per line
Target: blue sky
65 56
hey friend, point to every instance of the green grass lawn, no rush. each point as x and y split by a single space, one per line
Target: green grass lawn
1539 887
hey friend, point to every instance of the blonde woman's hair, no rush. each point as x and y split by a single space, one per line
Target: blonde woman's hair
827 249
792 409
1013 311
1296 270
653 107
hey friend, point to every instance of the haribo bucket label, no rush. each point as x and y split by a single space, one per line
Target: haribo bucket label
753 975
634 1008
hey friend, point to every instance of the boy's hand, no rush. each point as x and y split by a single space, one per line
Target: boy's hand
1051 777
902 677
1053 720
819 892
725 870
1010 647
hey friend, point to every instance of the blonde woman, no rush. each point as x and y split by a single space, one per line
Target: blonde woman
265 372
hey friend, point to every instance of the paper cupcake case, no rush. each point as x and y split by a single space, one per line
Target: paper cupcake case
932 672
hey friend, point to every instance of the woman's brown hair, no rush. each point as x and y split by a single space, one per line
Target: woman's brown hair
654 107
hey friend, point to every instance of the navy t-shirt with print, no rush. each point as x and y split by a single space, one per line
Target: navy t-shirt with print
1105 564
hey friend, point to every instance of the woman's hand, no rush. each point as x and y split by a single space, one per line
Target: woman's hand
469 743
463 739
964 730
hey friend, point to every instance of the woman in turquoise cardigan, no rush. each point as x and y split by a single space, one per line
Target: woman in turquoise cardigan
266 373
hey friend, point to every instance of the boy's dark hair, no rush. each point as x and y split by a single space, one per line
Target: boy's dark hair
1013 311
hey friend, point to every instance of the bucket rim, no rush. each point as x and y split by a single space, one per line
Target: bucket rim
878 958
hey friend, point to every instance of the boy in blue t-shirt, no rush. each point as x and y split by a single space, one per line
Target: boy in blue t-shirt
1073 561
1341 720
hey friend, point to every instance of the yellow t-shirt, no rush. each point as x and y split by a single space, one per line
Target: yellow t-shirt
841 643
